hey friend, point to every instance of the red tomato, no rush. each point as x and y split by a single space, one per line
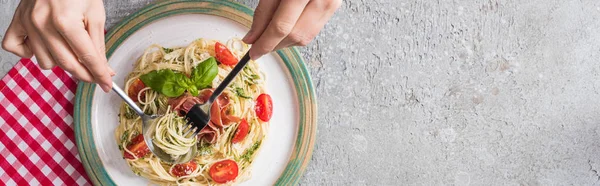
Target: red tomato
135 88
138 147
224 56
241 133
223 171
264 107
184 169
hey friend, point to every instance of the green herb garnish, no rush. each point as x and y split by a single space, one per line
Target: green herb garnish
129 113
168 50
166 82
204 149
124 136
248 154
173 84
204 73
240 93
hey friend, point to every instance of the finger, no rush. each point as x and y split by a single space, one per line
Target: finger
313 19
14 39
281 25
96 32
58 47
83 47
95 27
36 44
42 55
64 57
97 35
262 16
287 42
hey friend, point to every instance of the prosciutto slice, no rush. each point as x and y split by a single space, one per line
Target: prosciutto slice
218 116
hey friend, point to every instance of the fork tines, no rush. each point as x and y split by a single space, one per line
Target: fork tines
196 120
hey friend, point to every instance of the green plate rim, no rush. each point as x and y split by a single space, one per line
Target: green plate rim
292 59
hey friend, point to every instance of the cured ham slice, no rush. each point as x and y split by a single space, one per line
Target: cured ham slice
218 112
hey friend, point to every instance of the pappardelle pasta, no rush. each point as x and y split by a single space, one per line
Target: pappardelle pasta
168 82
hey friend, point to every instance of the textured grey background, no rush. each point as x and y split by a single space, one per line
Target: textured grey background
449 92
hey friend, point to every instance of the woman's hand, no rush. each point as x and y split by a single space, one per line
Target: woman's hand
283 23
65 33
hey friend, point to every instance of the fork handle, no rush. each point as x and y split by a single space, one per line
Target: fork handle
236 70
127 100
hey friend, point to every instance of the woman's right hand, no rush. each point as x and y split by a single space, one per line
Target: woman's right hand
65 33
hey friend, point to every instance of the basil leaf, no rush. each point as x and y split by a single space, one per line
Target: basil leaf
165 82
156 79
172 89
182 81
193 90
173 86
204 73
153 80
188 85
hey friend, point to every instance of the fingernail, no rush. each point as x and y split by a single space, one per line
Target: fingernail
112 72
106 88
254 56
247 37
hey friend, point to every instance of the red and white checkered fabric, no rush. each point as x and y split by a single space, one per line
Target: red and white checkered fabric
37 141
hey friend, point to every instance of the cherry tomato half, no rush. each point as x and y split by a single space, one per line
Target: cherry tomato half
223 171
264 107
224 56
137 147
241 132
135 88
184 169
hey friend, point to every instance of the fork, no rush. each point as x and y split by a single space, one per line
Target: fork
199 115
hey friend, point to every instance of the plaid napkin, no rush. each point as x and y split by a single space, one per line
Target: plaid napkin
37 141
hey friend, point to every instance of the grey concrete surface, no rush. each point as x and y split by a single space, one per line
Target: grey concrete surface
7 9
443 92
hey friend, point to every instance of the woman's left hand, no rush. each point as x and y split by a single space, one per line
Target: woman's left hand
282 23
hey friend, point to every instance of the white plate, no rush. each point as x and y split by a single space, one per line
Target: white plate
98 119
